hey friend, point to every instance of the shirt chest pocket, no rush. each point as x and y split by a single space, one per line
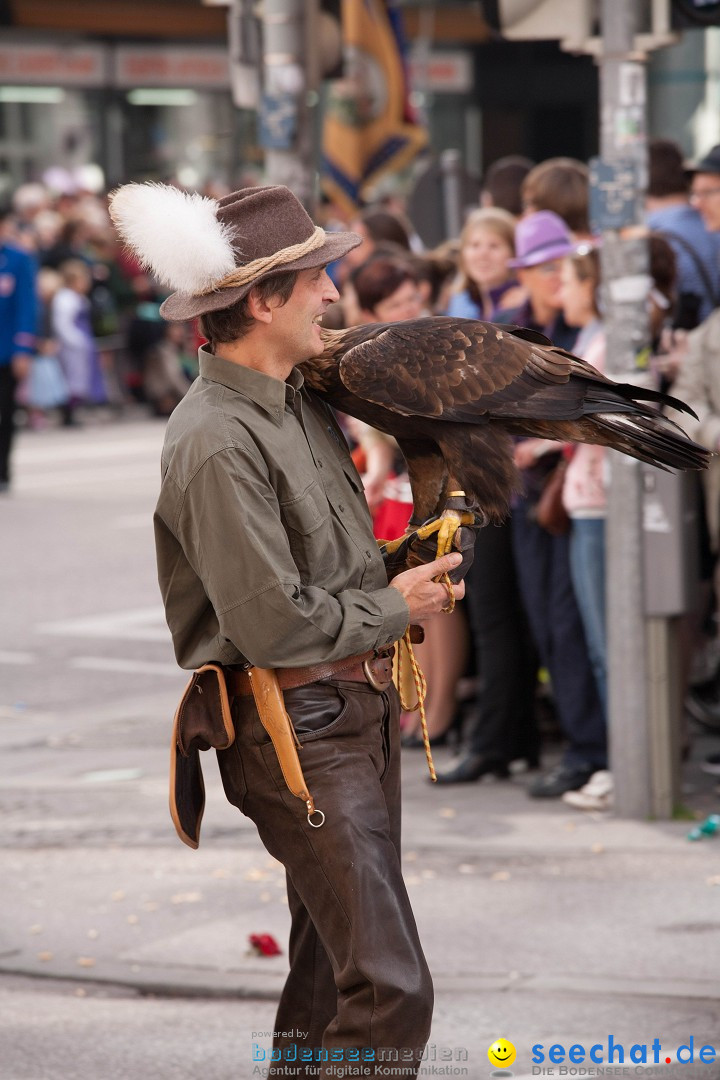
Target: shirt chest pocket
308 525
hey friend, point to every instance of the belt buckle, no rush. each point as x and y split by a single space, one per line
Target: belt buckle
377 683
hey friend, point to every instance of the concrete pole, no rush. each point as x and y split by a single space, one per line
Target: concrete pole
289 31
622 95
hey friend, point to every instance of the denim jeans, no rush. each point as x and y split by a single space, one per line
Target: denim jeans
587 567
544 576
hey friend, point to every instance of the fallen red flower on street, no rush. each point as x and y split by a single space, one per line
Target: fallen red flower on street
265 945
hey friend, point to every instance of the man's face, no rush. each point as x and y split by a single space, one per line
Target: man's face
296 323
705 197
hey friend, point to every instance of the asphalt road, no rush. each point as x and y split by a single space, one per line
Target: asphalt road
122 953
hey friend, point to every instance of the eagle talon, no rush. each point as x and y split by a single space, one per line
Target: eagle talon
390 546
446 526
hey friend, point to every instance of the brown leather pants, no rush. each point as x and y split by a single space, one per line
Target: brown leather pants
358 978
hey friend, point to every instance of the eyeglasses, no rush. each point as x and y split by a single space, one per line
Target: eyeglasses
698 196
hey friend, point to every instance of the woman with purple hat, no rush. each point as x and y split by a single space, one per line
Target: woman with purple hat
542 241
505 577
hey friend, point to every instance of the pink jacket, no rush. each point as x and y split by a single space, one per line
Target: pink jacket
584 490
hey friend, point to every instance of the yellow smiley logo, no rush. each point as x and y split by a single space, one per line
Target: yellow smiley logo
501 1053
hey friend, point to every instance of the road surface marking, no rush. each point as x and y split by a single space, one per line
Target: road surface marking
131 667
140 624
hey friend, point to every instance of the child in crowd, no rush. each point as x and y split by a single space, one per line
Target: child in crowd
77 352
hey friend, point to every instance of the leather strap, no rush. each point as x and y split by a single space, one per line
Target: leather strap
350 667
274 718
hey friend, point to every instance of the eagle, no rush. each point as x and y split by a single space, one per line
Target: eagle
454 392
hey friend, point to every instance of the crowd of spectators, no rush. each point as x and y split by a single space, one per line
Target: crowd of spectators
525 653
80 318
535 598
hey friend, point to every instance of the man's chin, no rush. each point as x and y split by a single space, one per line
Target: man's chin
316 344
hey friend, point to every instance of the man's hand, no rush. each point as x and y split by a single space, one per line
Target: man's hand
424 596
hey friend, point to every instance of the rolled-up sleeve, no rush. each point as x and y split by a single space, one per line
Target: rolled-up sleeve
231 529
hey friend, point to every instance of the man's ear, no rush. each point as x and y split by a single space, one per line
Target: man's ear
261 309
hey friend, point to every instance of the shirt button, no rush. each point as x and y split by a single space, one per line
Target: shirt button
341 508
368 555
319 464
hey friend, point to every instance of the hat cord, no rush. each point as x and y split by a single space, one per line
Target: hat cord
252 270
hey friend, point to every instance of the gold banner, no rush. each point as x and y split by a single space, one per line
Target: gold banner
368 129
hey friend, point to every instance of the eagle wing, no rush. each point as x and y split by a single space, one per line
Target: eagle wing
461 370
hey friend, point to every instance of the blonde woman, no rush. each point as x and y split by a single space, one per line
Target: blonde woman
487 282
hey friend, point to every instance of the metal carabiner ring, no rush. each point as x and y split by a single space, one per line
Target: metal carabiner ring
319 824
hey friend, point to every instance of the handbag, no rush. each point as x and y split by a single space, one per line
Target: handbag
550 512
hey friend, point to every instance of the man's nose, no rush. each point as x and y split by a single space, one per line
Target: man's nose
330 293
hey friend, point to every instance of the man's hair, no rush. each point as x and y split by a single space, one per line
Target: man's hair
562 185
384 225
233 323
378 278
666 170
503 182
663 266
587 268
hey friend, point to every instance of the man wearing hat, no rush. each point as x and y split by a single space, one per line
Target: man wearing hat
696 247
705 188
267 560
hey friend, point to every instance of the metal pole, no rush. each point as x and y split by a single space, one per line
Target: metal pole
624 262
450 169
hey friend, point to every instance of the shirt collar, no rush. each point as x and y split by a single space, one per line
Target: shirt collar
270 394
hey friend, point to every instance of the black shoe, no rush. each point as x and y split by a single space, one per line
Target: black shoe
471 767
703 704
711 764
553 784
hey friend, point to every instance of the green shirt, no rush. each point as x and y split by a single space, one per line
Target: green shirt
264 542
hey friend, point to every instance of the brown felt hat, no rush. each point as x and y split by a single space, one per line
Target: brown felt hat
260 222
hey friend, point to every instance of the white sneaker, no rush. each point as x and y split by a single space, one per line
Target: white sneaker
597 794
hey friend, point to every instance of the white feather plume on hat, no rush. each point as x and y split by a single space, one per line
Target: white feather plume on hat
175 234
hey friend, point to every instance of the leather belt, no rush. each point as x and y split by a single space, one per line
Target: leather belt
365 667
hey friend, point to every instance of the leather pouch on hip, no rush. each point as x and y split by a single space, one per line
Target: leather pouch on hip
202 719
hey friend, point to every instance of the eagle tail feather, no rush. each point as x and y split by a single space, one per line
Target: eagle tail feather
651 438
